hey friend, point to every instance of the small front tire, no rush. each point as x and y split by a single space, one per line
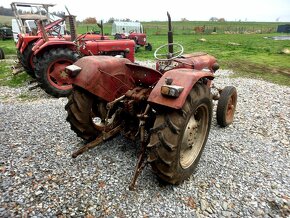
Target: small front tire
226 106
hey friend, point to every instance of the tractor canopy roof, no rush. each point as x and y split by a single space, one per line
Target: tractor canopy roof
126 27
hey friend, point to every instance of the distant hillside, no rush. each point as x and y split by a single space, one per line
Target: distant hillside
5 20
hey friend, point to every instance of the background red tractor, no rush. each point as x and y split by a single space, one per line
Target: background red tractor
51 56
27 32
168 108
45 52
133 31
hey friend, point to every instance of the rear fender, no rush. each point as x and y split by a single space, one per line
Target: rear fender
104 76
24 41
185 78
41 45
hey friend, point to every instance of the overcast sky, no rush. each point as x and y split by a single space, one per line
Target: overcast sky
151 10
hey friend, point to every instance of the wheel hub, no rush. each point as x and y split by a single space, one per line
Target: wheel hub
194 136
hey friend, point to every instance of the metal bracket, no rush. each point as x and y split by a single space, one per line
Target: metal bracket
97 141
141 160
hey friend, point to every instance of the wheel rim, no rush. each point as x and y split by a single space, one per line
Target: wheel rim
231 107
194 136
57 76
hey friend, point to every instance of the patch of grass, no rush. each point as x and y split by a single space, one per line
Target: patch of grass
8 79
6 20
253 55
252 70
8 46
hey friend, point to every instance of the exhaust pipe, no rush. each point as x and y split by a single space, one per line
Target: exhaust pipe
170 34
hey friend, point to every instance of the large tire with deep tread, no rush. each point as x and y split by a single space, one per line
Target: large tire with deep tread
226 106
25 59
50 74
82 110
179 136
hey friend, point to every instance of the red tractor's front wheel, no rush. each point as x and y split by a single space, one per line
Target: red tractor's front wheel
26 59
50 71
226 106
179 136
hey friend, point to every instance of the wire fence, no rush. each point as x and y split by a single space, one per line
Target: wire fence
185 30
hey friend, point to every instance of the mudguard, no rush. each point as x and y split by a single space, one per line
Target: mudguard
104 76
181 77
23 42
41 44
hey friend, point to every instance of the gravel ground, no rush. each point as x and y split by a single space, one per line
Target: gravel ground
244 170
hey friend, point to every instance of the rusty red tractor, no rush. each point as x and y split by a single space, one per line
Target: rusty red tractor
168 109
133 31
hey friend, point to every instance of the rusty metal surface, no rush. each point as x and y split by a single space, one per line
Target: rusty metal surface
181 77
104 76
198 61
138 93
141 163
144 75
97 141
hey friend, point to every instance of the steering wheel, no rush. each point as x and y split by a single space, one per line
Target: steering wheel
168 56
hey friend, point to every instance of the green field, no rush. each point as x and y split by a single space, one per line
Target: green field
246 48
5 20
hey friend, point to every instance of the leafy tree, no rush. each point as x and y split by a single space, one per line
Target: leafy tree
90 20
111 20
213 19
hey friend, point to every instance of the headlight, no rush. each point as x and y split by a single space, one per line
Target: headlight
73 70
171 90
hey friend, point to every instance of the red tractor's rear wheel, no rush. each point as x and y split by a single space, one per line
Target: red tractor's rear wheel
50 71
87 114
179 136
226 106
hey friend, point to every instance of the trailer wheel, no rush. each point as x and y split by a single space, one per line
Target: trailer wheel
226 106
50 71
26 59
179 136
86 114
2 55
